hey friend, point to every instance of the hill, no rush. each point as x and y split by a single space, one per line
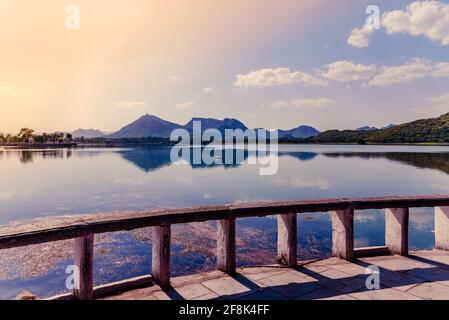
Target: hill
299 132
419 131
146 126
152 126
220 125
88 133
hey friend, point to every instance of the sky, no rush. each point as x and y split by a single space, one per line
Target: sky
101 64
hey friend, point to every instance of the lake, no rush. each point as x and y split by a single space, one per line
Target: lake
56 182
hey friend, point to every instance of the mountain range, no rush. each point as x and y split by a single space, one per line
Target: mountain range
88 133
424 130
152 126
368 128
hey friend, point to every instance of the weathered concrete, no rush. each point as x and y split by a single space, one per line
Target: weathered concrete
421 275
226 246
396 230
84 258
442 228
287 239
62 228
343 234
161 255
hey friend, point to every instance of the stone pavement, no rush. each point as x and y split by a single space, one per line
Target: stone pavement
422 275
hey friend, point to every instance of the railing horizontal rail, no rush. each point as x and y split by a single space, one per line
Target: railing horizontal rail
74 227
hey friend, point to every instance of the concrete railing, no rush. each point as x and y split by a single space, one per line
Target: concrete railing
83 229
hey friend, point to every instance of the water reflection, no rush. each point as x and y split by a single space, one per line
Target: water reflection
436 161
156 157
29 155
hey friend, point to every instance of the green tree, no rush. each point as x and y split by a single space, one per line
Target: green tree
25 134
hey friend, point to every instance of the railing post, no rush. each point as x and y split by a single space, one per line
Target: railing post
287 239
160 262
84 280
343 234
226 246
396 230
442 228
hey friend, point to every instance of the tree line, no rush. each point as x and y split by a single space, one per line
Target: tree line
27 135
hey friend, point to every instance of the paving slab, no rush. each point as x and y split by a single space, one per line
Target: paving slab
324 293
226 286
396 263
341 281
430 291
265 294
383 294
422 275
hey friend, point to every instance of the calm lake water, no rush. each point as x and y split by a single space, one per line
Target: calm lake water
45 183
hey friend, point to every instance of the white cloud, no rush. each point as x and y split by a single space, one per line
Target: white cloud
300 103
360 37
184 105
5 196
130 181
7 90
175 80
348 71
302 183
366 216
421 18
130 104
437 106
275 77
440 100
207 90
184 181
412 70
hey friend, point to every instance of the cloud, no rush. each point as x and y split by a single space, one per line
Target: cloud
367 216
275 77
130 181
302 183
414 69
184 181
184 105
440 100
300 103
130 104
360 37
422 220
175 80
5 196
421 18
207 90
348 71
7 90
437 106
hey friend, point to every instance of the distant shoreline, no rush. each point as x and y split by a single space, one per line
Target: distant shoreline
111 144
39 145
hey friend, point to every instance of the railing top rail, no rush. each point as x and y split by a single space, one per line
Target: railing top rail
54 229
